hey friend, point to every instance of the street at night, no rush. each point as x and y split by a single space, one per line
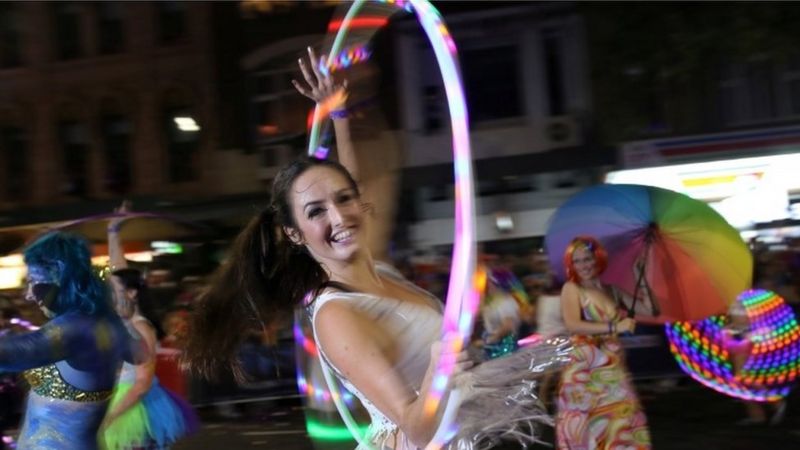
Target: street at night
685 417
453 220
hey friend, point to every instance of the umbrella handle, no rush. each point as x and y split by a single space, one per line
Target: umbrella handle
632 309
642 281
640 278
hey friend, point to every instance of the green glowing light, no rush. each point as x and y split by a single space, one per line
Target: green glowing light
323 432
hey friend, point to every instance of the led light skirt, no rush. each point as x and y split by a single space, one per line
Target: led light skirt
703 350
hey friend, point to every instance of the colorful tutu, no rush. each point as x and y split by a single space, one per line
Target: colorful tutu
159 420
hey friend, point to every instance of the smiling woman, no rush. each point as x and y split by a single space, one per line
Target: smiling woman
376 331
597 405
327 204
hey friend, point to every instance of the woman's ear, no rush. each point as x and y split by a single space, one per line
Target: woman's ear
294 235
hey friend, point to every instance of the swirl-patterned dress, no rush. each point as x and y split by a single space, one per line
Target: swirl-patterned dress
597 405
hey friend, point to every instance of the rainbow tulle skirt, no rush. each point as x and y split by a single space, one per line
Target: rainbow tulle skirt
159 420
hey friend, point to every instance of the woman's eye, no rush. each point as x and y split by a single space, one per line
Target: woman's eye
314 212
346 198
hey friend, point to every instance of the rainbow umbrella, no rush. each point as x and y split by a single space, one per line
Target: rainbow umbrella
694 262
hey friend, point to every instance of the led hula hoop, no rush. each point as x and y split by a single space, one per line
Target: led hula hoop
462 296
773 365
315 392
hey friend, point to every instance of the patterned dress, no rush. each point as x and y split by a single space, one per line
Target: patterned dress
597 404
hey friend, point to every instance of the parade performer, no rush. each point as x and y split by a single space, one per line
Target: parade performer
738 338
597 404
72 361
142 414
378 332
501 309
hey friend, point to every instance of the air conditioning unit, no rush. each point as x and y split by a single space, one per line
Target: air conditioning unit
561 132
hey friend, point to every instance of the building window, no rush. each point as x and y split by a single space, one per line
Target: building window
110 27
748 92
183 140
14 146
171 21
116 134
791 81
552 47
491 78
278 114
433 114
74 148
68 40
9 36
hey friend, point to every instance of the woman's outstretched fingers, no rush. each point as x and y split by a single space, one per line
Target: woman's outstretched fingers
303 91
314 61
308 75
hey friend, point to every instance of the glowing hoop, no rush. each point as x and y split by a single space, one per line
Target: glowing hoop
462 296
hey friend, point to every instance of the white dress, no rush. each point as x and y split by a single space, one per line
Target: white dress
504 386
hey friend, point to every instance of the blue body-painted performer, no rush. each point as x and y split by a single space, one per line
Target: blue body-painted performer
143 414
71 363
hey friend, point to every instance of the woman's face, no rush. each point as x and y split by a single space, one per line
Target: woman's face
43 295
584 263
328 214
42 288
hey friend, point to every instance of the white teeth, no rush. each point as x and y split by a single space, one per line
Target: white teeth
341 236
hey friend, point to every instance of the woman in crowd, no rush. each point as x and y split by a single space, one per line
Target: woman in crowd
71 363
597 404
377 331
501 311
142 413
737 339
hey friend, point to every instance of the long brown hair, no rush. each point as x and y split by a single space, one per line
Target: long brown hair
263 279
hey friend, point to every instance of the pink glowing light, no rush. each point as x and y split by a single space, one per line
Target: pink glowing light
463 298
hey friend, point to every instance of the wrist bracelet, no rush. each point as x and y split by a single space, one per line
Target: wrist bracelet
339 114
113 228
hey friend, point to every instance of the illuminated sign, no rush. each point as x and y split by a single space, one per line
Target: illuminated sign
745 191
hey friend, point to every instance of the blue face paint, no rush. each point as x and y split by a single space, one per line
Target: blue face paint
44 285
41 274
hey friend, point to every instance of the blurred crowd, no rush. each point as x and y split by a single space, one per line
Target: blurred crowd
268 354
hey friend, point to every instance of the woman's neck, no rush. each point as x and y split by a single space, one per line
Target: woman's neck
592 282
359 274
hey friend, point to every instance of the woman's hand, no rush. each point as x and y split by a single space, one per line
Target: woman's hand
108 420
626 325
320 86
444 349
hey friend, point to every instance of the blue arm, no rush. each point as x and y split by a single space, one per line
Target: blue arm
54 342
